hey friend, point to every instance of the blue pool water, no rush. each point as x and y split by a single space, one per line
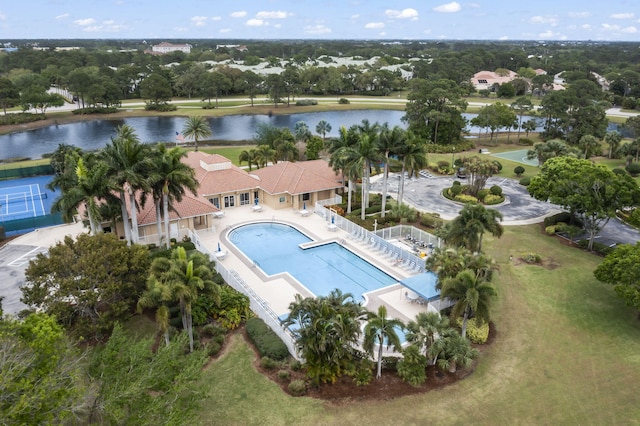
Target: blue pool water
275 249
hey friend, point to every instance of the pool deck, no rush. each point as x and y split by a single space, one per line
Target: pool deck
279 290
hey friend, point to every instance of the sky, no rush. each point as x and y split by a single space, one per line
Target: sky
612 20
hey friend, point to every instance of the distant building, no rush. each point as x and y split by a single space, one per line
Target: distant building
66 49
238 47
164 47
487 80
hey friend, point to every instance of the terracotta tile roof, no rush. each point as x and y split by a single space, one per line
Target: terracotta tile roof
190 206
298 178
216 174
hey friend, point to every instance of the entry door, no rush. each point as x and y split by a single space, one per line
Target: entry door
173 230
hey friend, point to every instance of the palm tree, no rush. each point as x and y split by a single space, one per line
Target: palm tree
378 329
197 128
169 180
288 151
302 132
128 162
453 351
322 128
186 277
389 142
468 228
91 185
426 329
264 155
448 262
156 296
342 159
414 157
250 156
473 295
326 330
368 156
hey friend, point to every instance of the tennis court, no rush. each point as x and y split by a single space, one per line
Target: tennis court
519 156
25 198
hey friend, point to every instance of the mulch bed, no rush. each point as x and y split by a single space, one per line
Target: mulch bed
389 386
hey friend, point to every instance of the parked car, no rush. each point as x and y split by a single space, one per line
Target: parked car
461 173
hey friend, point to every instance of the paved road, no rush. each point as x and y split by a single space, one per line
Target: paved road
519 207
13 262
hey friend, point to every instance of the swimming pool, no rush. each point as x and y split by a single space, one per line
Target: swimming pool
275 248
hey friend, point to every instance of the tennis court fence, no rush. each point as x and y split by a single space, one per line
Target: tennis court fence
22 226
19 172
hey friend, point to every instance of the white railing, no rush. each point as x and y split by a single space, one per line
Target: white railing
395 253
153 238
258 305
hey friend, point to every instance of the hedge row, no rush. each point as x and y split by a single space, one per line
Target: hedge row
20 118
267 342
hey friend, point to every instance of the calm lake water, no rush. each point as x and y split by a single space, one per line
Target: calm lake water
95 134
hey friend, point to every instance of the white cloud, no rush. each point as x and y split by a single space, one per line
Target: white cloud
316 29
64 15
374 25
402 14
382 34
356 16
618 29
279 14
630 30
547 20
552 35
256 23
225 30
2 16
180 29
239 14
108 26
277 25
84 22
586 27
579 15
474 5
448 7
622 16
504 38
216 18
199 21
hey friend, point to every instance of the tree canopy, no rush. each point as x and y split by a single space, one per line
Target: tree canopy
591 191
621 268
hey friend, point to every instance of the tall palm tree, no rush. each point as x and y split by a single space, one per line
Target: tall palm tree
91 185
473 295
369 155
250 156
414 157
322 128
448 262
265 154
288 151
156 296
426 329
468 228
128 167
186 277
342 159
389 142
169 179
197 128
379 329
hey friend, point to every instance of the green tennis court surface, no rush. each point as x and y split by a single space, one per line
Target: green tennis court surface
519 156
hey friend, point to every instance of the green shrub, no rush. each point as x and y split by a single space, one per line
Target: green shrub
160 107
390 362
430 221
562 217
268 363
533 258
363 375
295 365
306 102
464 198
525 181
297 387
550 230
94 110
213 348
411 368
482 194
493 199
211 330
343 101
20 118
267 342
619 171
496 190
633 169
457 183
599 248
188 245
526 141
284 375
455 190
477 333
518 170
634 217
498 165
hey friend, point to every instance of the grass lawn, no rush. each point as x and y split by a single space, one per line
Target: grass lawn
566 352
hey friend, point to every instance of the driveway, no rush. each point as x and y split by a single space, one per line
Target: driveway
425 194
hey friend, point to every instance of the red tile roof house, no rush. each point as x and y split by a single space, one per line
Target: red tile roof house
485 80
283 185
224 187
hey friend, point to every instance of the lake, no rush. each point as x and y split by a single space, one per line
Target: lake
95 134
